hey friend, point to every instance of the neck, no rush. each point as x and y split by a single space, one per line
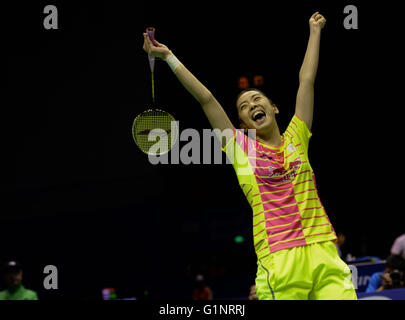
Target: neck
271 137
14 288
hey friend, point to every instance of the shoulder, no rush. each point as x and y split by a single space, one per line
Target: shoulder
31 294
3 295
297 127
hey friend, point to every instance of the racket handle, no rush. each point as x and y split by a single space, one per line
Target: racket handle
151 34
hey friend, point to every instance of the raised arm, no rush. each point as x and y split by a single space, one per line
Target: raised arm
211 107
304 107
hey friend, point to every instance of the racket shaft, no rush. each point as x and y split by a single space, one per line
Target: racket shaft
153 88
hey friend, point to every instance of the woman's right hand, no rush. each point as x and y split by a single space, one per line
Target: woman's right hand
158 50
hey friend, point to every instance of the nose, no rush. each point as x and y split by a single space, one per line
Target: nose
253 106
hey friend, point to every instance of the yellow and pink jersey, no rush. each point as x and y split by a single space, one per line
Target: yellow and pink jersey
280 186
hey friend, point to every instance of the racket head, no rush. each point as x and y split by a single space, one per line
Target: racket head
155 131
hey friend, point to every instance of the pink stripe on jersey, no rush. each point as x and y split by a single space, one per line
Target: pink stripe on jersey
319 234
278 194
302 172
309 199
266 247
259 242
305 191
263 162
254 236
286 235
288 191
287 245
255 225
324 215
256 214
318 225
295 126
249 191
312 208
271 204
308 180
264 188
295 224
267 153
286 187
276 202
281 211
282 220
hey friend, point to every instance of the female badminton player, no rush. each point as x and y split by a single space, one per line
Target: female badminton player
293 237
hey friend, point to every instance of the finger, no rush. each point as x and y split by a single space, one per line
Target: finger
146 44
154 43
313 16
147 39
318 16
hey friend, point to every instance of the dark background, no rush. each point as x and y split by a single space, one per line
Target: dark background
77 193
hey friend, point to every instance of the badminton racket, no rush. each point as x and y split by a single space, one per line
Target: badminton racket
155 131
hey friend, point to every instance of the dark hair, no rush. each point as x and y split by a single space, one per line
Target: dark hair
395 262
11 266
251 89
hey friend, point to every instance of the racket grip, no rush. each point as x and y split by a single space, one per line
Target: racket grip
151 34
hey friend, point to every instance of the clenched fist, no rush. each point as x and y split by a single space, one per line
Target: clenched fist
317 21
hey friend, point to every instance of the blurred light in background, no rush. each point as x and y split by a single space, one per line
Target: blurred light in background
109 294
258 80
243 83
239 239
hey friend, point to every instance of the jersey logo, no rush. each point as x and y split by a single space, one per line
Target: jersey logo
291 148
286 175
276 172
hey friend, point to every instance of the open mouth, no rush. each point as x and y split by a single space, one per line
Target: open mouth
259 116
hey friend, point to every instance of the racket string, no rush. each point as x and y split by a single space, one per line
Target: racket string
149 120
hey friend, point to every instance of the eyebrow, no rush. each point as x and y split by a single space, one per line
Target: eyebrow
252 97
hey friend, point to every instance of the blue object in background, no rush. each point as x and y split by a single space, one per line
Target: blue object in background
364 272
393 294
365 259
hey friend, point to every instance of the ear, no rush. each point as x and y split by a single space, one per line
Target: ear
276 111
